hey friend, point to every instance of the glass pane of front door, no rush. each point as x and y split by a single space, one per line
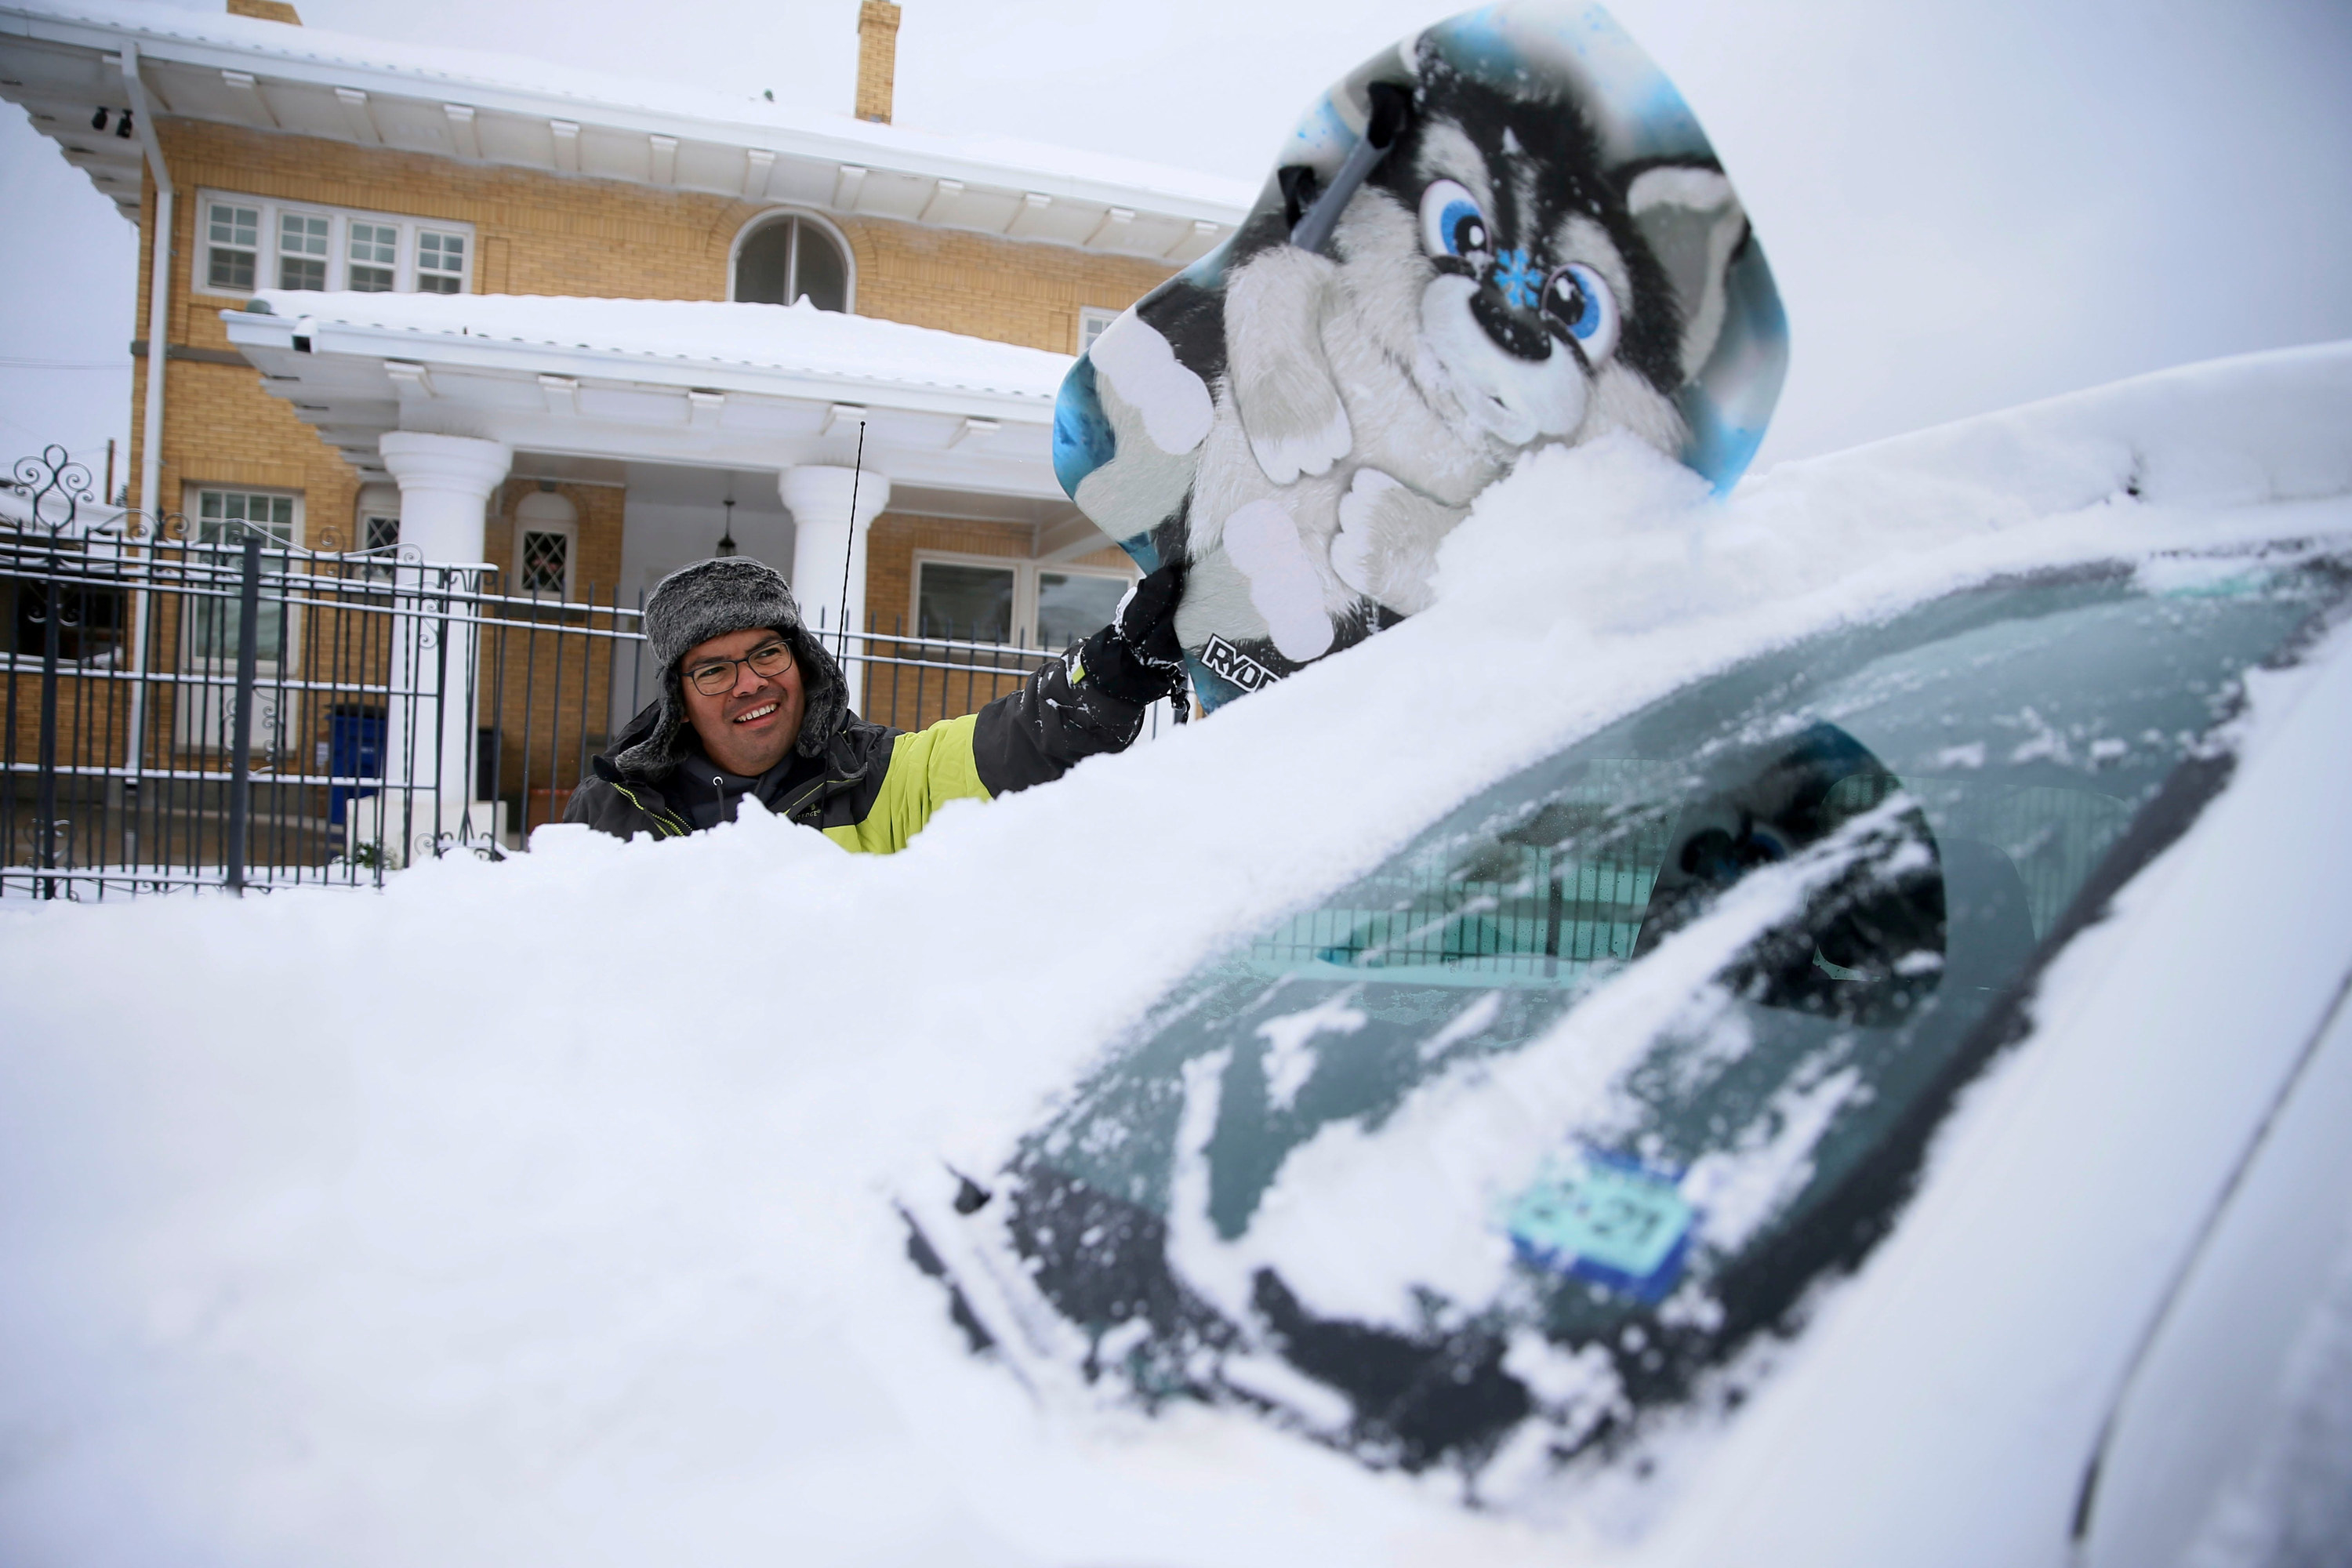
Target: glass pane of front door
971 603
1074 605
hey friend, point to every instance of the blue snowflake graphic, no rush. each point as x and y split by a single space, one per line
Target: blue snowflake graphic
1518 278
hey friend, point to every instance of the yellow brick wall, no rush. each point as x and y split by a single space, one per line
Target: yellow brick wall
987 287
547 234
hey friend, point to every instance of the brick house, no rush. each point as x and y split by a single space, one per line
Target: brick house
578 328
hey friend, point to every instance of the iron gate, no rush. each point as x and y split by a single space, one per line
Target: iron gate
215 706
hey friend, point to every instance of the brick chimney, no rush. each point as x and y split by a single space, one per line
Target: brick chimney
267 11
878 59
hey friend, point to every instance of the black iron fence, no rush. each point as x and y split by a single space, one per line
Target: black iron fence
215 706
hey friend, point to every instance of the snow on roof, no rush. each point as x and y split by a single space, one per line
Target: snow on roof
799 338
431 72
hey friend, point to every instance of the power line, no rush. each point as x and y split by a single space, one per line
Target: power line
75 452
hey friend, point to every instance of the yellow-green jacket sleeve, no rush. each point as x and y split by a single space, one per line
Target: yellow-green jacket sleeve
927 769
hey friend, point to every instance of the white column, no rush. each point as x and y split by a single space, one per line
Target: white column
827 539
445 492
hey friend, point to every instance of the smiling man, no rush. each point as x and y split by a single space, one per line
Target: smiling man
753 704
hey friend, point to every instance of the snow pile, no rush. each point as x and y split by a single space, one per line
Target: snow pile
799 337
541 1210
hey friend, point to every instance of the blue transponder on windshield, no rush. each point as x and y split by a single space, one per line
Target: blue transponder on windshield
1607 1219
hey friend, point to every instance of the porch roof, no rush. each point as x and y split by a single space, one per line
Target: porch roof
708 384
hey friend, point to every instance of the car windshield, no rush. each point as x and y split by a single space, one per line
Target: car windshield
1529 1130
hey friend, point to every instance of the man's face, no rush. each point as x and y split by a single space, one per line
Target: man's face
754 718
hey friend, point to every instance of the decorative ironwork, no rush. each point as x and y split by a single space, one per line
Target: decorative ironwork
54 489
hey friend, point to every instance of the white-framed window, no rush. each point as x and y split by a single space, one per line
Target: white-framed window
985 598
1091 323
546 546
302 249
254 242
211 614
441 261
226 517
371 252
232 247
376 529
783 257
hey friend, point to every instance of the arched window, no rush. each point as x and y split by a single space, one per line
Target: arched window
787 258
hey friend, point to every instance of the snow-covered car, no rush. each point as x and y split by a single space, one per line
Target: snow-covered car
1527 1157
1801 1027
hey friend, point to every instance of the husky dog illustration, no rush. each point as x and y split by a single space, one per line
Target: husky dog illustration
1306 427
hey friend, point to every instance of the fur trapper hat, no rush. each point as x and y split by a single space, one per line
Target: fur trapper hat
711 599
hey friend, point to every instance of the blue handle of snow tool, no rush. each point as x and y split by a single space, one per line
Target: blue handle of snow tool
1391 106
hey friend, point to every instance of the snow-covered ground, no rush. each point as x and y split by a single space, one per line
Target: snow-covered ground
541 1211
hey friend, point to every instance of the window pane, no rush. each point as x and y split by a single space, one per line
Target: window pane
239 227
228 517
236 234
1090 326
760 267
301 236
381 534
302 251
230 269
974 603
372 249
544 556
819 272
89 628
1072 606
440 263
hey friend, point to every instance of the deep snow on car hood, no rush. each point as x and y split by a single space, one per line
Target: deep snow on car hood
495 1217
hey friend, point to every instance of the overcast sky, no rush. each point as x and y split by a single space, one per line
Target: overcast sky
1968 203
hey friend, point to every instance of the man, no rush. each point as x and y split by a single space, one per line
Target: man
751 703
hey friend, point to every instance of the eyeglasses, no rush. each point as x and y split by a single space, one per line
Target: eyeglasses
716 677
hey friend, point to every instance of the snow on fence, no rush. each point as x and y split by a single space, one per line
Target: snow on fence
216 706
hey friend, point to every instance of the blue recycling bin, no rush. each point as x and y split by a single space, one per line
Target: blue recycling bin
354 749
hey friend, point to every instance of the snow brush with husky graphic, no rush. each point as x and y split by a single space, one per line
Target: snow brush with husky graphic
1504 234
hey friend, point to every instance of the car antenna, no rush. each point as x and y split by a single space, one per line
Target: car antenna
849 550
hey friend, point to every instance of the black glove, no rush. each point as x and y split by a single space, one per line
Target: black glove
1137 659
